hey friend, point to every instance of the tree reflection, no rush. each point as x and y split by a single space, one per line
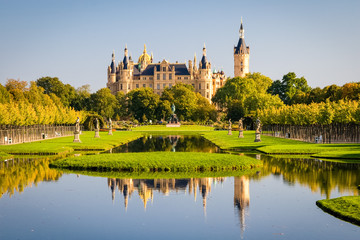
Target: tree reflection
318 175
17 174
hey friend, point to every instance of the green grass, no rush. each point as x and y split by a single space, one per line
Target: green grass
65 145
4 156
163 174
182 128
345 208
276 146
158 162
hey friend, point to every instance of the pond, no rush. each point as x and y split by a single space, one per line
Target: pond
275 202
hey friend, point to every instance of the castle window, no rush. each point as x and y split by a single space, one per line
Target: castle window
170 76
241 63
144 85
150 78
137 85
241 69
207 95
158 76
150 85
164 76
158 86
179 78
207 86
199 86
164 69
185 78
128 86
170 85
164 85
193 85
121 86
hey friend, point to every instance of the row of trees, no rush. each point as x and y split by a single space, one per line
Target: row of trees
325 113
294 90
21 105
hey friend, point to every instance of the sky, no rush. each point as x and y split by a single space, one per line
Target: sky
74 39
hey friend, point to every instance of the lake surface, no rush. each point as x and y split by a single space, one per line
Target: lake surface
276 202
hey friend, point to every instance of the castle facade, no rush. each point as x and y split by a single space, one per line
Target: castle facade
128 75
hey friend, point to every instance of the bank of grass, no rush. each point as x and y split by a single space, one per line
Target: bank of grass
159 162
164 174
345 208
4 156
281 146
64 145
183 128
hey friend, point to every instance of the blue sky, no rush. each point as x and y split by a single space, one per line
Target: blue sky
73 40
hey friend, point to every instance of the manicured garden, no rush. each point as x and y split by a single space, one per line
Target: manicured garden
159 162
346 208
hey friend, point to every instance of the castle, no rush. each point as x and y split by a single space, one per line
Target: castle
128 75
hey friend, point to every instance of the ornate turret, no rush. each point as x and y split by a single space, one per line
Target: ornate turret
144 59
112 69
126 59
203 62
241 55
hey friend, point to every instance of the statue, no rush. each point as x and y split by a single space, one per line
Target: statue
229 130
257 130
258 125
97 128
77 131
96 124
173 121
173 108
77 125
241 128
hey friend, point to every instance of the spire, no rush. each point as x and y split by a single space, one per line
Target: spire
144 48
195 62
204 61
126 58
152 57
241 47
241 29
113 65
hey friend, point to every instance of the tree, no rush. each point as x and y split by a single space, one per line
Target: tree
103 102
184 98
142 104
81 101
53 85
243 96
291 90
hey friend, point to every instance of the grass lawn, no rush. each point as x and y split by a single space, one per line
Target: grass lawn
272 145
4 156
64 145
346 208
166 130
159 162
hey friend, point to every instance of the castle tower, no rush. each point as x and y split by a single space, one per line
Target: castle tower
204 84
125 73
112 70
241 56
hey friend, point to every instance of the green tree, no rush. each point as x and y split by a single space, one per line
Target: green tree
103 102
142 104
53 85
81 100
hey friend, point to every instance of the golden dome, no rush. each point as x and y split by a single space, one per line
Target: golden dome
144 57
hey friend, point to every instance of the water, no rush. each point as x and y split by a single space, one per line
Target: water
278 202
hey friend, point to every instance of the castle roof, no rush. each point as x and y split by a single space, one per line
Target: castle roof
203 62
112 67
126 61
180 69
241 47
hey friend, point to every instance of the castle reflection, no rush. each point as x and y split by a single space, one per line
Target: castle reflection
146 187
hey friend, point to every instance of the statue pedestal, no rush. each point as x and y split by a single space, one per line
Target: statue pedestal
77 137
97 133
241 135
110 132
229 132
257 137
